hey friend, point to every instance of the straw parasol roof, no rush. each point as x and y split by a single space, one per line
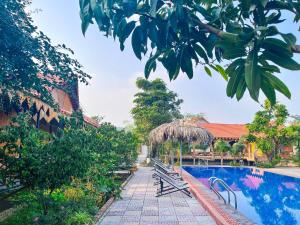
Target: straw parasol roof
180 130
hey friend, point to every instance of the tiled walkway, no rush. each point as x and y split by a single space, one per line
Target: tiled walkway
140 206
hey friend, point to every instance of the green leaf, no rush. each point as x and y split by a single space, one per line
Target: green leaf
263 2
193 54
278 84
186 64
252 77
277 46
221 71
153 4
164 12
241 89
201 52
127 30
84 26
232 67
170 62
136 42
289 38
268 90
85 19
150 65
208 71
233 82
282 60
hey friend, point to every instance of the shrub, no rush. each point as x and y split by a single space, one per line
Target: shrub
79 218
74 194
69 172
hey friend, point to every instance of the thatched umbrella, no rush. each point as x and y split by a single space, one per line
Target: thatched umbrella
181 131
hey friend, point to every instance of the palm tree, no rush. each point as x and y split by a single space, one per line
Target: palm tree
222 147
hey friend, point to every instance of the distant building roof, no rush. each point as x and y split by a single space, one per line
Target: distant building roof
226 131
195 120
86 119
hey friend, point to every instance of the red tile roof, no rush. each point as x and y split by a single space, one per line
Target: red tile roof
226 131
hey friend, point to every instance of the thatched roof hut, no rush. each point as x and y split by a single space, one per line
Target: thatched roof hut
180 130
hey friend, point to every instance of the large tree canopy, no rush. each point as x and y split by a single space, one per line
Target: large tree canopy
268 129
154 105
26 53
181 33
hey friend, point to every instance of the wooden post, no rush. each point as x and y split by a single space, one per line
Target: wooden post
194 155
180 156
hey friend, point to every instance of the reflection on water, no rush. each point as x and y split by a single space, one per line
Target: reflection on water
265 198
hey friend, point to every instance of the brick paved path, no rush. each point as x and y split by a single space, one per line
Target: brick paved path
140 206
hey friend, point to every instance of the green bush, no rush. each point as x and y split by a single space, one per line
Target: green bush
271 164
79 218
68 175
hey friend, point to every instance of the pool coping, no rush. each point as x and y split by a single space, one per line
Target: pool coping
275 170
222 214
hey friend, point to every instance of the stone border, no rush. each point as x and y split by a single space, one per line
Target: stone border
103 210
8 212
222 214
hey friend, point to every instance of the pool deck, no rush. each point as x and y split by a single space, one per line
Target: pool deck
139 206
288 171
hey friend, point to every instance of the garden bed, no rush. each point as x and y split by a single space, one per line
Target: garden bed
11 213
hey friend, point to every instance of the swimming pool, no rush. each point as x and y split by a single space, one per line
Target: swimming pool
265 198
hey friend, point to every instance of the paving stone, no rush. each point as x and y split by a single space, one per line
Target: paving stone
183 211
129 223
199 212
130 218
149 218
180 204
207 220
150 212
186 219
167 211
139 206
191 223
115 213
172 218
149 223
169 223
133 213
111 220
134 208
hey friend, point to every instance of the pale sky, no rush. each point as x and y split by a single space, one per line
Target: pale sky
112 87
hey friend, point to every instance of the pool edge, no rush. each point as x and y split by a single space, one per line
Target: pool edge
216 211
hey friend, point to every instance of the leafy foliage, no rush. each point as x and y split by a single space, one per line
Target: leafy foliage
37 159
268 129
154 105
237 149
67 174
293 132
222 147
26 52
179 34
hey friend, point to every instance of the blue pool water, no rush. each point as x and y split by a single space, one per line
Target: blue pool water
265 198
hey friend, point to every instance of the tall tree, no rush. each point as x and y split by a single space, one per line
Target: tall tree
268 129
26 53
180 33
155 104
